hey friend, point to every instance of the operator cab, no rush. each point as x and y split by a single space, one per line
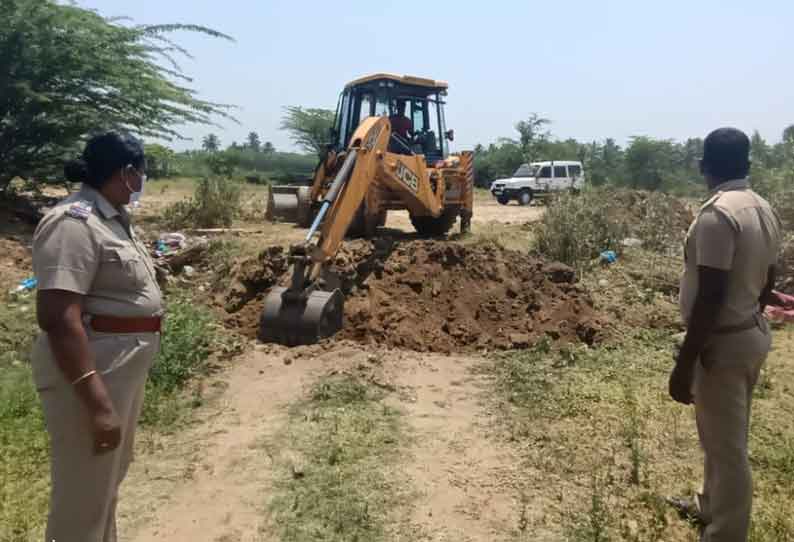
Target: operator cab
415 107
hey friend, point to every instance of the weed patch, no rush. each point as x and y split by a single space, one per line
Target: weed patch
190 337
597 426
24 488
577 228
339 489
215 203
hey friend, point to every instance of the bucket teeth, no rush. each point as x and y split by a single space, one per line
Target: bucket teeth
293 320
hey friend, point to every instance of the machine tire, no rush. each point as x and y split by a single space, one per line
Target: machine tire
503 200
358 225
525 197
428 226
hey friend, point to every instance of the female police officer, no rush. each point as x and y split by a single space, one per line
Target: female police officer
99 308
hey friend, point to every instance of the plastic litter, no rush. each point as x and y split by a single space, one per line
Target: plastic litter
24 286
27 284
168 243
188 270
631 242
608 256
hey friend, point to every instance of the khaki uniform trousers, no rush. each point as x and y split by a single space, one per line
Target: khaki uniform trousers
85 486
723 390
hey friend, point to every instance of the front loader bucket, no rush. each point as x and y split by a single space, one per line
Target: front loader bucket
290 204
293 321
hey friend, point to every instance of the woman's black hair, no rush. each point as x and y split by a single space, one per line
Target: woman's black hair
104 154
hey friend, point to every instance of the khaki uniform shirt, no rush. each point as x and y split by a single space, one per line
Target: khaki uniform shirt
87 246
736 230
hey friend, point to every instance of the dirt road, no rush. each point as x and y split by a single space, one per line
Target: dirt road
486 211
211 482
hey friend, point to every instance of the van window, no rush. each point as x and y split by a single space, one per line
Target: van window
524 170
575 171
559 172
545 172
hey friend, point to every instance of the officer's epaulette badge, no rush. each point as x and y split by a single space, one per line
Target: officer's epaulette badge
80 210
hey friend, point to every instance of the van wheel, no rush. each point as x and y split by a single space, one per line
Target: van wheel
504 200
525 197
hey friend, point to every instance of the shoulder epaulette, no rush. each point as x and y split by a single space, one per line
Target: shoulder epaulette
80 210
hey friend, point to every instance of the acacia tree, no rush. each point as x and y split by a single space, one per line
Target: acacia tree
532 135
310 129
66 72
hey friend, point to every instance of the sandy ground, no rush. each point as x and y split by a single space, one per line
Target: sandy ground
211 482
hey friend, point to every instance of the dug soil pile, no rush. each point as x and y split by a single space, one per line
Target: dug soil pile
435 296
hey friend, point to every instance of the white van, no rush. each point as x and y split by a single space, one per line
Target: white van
538 179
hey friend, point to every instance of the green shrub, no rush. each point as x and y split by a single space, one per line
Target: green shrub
216 203
577 228
189 337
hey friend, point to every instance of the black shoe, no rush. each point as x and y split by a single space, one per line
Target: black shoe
687 510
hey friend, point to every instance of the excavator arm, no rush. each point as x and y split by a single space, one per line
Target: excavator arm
308 310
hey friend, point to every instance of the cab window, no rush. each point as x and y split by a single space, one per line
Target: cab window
366 107
417 115
382 107
545 172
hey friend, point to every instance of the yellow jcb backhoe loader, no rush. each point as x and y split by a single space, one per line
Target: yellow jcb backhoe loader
385 156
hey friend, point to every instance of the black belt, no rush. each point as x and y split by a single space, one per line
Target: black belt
738 328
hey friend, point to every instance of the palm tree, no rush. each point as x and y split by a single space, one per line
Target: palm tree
253 141
211 143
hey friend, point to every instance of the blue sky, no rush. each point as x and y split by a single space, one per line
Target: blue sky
597 69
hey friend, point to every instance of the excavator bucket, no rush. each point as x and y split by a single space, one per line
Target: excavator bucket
293 319
290 204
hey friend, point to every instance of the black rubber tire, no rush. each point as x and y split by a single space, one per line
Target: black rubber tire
358 225
503 200
427 226
525 197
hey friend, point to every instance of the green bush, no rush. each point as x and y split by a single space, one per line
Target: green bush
577 228
216 203
189 337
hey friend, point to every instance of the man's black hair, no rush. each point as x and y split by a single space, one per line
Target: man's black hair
726 154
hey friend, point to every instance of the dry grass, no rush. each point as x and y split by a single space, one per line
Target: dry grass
333 462
603 444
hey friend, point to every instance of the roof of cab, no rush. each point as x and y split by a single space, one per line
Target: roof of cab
402 79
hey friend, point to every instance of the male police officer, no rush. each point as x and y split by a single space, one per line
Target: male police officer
730 255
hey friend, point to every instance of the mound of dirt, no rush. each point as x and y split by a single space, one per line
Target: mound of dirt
15 261
437 296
